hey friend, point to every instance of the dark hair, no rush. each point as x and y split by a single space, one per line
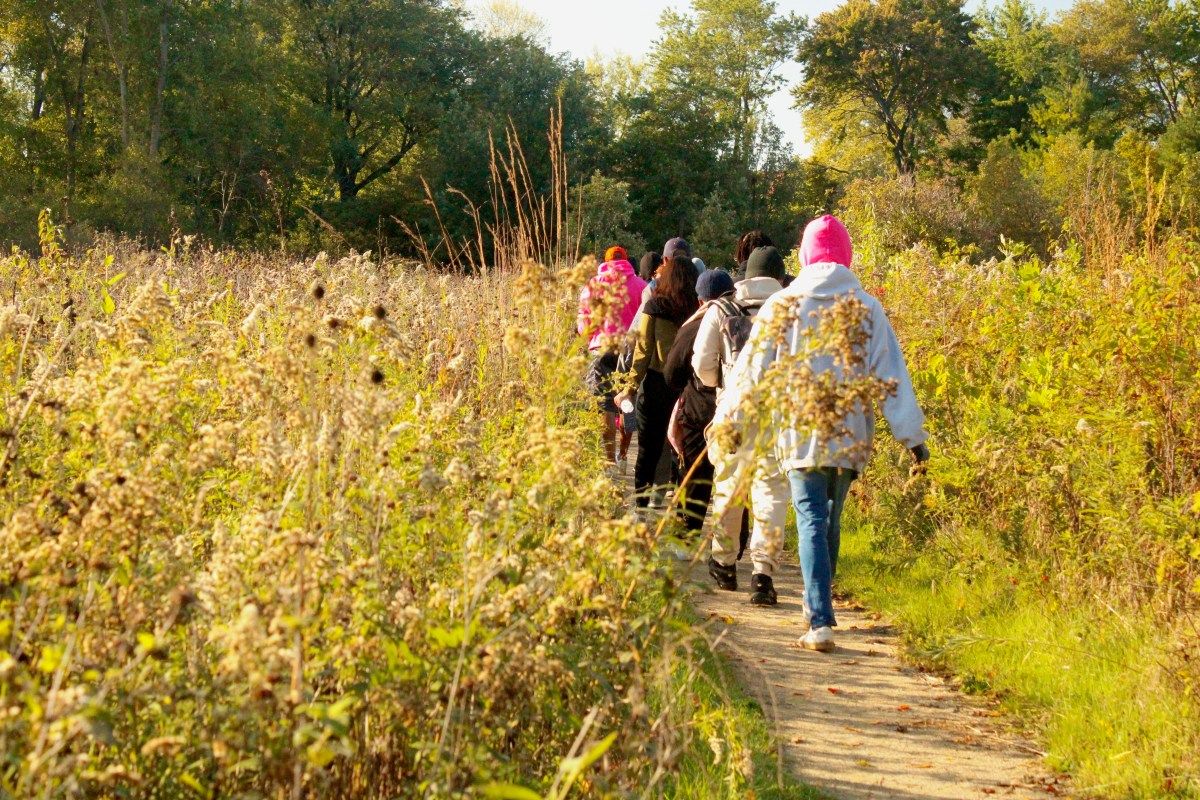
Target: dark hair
750 241
648 265
676 287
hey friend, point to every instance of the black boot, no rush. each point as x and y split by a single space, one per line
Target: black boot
726 577
762 591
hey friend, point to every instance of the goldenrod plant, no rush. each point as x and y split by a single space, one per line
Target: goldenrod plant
335 527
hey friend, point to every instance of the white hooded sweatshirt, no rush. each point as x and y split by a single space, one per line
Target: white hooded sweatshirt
818 287
710 356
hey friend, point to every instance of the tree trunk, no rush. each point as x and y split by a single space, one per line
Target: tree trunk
122 74
76 107
160 86
38 103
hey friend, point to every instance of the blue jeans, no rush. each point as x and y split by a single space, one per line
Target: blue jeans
819 496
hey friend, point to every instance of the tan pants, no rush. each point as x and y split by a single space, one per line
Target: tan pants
769 496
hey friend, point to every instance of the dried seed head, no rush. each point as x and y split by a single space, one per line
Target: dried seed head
318 290
376 376
380 312
333 322
310 340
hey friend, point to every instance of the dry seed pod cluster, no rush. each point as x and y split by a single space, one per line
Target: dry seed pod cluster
255 549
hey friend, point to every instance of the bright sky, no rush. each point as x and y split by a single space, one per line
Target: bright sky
631 26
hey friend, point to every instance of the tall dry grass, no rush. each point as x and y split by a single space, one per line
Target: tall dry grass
327 528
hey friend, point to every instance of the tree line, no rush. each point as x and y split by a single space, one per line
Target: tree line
306 123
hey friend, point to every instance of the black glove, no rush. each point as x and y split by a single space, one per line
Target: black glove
920 455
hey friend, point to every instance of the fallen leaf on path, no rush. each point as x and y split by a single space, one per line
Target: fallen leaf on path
853 729
799 740
988 790
901 729
862 762
923 766
904 708
834 691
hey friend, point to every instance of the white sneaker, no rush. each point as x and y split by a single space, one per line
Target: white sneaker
819 639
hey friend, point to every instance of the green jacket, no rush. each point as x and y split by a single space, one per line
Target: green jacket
654 335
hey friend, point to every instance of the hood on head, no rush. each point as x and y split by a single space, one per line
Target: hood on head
753 290
618 265
826 241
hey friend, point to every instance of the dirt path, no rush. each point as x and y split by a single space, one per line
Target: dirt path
857 723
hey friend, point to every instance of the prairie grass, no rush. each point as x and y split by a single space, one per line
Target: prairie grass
1053 555
328 528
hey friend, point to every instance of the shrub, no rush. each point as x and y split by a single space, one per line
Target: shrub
322 529
1064 495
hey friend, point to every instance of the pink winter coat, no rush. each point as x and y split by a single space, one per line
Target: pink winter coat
620 276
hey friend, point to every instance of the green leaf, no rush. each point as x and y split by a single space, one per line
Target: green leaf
115 279
508 791
52 655
107 302
188 780
448 638
574 767
320 754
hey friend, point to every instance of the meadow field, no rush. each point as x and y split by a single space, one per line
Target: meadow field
328 528
341 527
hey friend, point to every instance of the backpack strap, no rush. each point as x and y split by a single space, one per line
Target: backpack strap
731 307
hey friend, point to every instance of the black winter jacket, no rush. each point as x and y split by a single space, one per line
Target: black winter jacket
699 402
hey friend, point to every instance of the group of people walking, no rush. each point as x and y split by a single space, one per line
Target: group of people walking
672 357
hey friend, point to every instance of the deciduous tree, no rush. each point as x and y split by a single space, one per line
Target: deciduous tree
906 64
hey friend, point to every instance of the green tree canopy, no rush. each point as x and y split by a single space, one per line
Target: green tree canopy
905 64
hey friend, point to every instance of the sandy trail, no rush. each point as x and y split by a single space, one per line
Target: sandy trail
857 723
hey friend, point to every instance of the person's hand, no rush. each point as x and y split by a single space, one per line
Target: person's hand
920 455
622 396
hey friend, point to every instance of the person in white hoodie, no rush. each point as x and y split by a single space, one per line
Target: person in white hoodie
723 333
820 472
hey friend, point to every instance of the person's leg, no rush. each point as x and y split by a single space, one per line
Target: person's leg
654 412
610 436
697 491
728 512
810 497
626 438
839 489
770 496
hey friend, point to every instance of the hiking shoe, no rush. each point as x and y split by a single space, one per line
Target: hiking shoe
819 639
762 591
726 577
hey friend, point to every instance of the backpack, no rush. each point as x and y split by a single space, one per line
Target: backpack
736 325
